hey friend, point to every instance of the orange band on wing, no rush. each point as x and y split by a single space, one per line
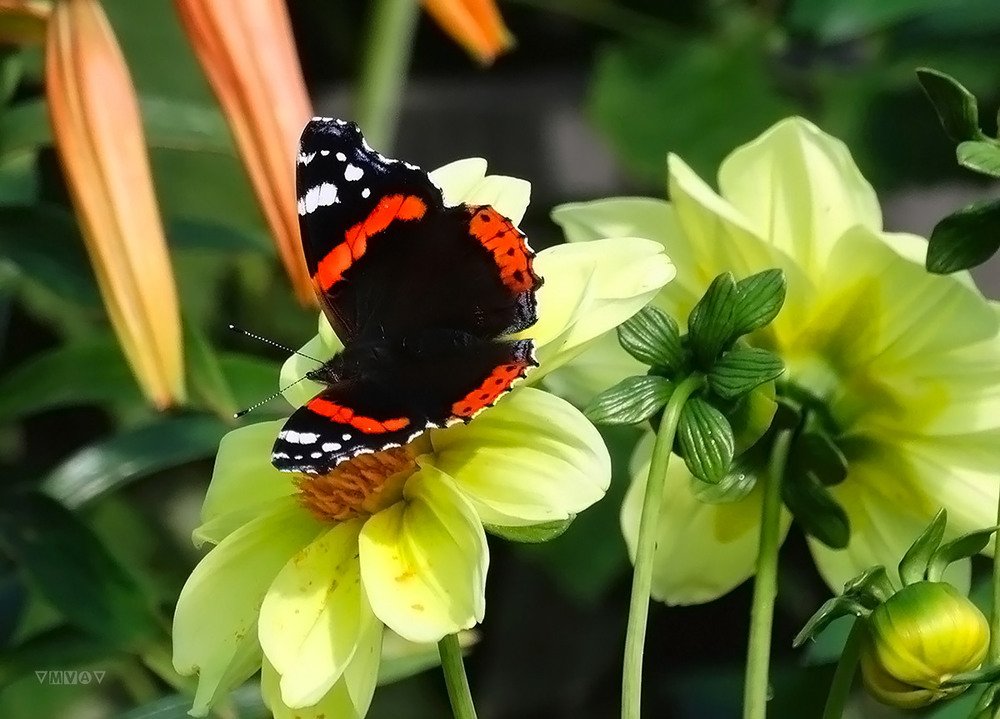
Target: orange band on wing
492 387
506 243
331 268
346 415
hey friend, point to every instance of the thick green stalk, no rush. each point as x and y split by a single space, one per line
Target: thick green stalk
843 677
642 579
386 65
765 589
454 677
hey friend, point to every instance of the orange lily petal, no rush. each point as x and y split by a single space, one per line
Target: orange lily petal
23 20
476 25
98 135
250 60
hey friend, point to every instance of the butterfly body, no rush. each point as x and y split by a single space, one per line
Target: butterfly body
424 297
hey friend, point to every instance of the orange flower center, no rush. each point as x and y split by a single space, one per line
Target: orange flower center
361 486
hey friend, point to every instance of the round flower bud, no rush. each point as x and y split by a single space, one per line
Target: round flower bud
918 639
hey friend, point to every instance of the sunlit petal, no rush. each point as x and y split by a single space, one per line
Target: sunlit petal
424 561
532 458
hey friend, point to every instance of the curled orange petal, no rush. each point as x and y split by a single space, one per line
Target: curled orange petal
248 55
476 25
23 20
98 134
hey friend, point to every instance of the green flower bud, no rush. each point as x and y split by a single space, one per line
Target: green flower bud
920 638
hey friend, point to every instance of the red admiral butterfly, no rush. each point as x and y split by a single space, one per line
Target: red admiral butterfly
422 295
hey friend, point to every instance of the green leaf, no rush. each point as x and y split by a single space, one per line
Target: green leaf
45 245
246 702
653 338
816 453
98 371
815 509
531 533
631 401
705 440
132 454
831 610
743 369
968 545
253 379
761 297
168 123
74 571
746 470
712 323
649 99
205 377
980 156
870 588
839 20
956 106
965 238
913 566
752 416
59 648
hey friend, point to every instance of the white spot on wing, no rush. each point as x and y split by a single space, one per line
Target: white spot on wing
305 159
341 156
316 455
327 194
353 172
331 446
279 455
312 199
366 192
324 153
346 436
302 205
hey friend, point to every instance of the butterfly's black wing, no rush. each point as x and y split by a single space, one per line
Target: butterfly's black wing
387 257
443 381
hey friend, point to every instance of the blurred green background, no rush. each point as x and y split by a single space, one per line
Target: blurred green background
100 493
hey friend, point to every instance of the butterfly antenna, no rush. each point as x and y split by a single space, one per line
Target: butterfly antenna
265 340
264 401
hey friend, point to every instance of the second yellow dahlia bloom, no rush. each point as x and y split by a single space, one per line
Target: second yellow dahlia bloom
905 365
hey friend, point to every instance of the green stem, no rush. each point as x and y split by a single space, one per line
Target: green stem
765 588
642 579
993 657
454 677
386 65
843 677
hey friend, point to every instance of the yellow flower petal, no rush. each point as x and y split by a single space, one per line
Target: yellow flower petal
458 179
424 560
314 614
887 511
919 315
590 288
799 188
349 698
533 458
603 364
244 484
323 346
215 623
702 550
98 133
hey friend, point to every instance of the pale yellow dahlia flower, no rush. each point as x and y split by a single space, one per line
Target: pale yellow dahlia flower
307 572
906 364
